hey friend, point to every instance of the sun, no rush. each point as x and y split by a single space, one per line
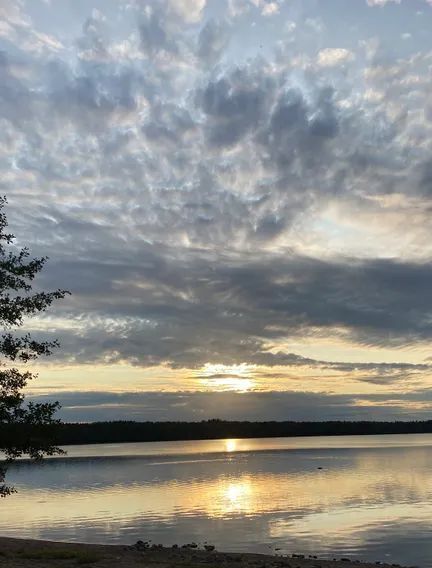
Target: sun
220 378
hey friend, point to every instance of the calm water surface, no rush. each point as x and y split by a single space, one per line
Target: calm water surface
368 497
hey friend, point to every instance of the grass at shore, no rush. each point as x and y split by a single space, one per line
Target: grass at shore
49 554
24 553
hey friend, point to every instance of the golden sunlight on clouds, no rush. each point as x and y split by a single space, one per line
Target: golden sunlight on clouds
244 378
335 344
217 377
365 233
228 384
211 369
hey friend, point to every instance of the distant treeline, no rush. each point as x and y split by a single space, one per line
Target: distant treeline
124 431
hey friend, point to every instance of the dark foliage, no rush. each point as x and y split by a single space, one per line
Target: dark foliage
111 432
25 429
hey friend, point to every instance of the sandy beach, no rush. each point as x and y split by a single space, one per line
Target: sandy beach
25 553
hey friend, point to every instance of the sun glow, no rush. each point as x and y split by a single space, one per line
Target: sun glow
218 377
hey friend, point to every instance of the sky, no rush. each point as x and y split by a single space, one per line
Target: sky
238 195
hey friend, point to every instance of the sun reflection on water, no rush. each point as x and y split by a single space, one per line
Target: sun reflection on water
327 497
235 496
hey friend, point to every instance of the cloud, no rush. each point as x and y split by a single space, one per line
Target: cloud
187 312
154 36
233 106
190 10
16 27
381 2
330 57
209 206
270 9
91 406
213 39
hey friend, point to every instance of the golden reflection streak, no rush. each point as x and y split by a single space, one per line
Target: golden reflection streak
231 445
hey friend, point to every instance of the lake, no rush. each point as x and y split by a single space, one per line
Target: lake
367 497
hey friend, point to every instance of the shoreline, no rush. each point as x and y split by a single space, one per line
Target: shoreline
27 553
116 432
